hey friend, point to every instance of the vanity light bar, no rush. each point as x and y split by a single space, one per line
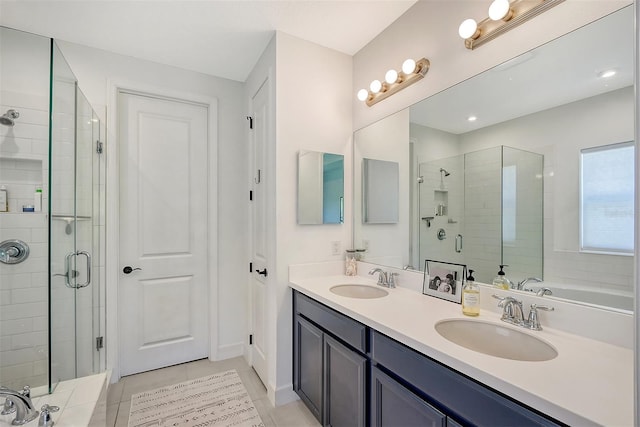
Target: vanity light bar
395 81
519 12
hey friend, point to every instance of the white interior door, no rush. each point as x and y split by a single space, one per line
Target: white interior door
259 276
162 298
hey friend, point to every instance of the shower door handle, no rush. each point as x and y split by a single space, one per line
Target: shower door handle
69 273
88 257
459 243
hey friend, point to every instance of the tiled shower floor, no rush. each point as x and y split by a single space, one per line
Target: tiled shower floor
294 414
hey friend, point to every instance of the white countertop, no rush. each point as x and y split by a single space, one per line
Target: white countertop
588 383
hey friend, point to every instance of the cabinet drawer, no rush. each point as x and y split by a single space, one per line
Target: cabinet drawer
339 325
466 400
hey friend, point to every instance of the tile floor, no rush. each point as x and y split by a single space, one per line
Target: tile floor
294 414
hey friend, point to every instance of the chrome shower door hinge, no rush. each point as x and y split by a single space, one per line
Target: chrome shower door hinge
99 343
99 147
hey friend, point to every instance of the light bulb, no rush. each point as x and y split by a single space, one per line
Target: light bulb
499 9
408 66
375 86
606 74
363 94
468 28
391 76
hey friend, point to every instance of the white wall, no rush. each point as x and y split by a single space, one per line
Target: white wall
385 140
430 29
97 70
313 112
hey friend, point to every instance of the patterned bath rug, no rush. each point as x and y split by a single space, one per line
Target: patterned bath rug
219 400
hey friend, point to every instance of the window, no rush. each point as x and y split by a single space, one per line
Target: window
607 198
509 203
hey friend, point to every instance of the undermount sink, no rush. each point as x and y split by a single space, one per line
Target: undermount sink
496 340
359 291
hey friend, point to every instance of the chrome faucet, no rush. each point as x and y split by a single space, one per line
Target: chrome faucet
544 291
386 279
21 401
520 285
512 313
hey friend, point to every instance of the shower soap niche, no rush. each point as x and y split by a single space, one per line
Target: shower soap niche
440 201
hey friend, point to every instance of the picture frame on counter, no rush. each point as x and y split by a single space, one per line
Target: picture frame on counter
444 280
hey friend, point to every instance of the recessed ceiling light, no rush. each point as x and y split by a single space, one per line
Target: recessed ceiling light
607 73
472 118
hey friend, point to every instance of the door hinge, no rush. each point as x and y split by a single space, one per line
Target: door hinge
250 339
99 343
99 147
250 195
250 122
250 267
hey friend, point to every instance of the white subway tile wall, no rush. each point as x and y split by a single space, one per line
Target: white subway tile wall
23 287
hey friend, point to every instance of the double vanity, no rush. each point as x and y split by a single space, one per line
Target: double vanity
370 355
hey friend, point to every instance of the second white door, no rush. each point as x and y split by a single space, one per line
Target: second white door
259 242
163 286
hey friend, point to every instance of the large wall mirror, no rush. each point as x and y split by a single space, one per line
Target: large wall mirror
492 170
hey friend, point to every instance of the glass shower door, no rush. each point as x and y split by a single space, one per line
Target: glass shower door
86 290
75 301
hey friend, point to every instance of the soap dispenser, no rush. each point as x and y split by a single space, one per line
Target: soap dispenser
501 281
471 297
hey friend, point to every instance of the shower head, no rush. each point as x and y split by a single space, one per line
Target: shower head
445 172
8 118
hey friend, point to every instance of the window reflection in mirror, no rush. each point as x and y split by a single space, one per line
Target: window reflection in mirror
553 101
320 188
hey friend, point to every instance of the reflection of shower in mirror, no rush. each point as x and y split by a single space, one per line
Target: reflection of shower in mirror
8 118
443 173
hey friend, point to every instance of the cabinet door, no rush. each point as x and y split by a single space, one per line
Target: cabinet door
307 365
394 405
345 385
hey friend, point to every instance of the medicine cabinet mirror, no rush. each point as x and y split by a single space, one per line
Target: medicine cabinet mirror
320 188
531 117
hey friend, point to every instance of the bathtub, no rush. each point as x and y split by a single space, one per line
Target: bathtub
602 297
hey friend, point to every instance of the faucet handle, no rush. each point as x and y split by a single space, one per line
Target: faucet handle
392 279
9 407
26 391
45 415
533 322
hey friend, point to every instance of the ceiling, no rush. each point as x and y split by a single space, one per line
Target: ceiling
215 37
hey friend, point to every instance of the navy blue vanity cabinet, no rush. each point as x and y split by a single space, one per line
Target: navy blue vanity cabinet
329 363
345 385
307 380
392 404
463 400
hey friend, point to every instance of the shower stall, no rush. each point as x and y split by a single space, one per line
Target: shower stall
52 166
483 209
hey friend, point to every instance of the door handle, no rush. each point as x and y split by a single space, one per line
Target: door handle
263 272
88 256
128 269
459 243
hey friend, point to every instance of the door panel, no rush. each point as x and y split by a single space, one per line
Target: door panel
259 282
163 232
345 386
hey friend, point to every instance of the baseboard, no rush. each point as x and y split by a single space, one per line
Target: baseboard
282 395
228 351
